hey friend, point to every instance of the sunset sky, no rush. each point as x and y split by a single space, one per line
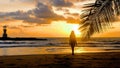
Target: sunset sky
45 18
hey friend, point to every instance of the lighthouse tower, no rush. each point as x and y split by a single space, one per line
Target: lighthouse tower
4 32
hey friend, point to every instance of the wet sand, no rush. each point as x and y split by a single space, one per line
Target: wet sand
81 60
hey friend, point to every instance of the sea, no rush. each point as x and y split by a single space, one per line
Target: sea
58 46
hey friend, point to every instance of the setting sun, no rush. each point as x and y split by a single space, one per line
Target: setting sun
75 29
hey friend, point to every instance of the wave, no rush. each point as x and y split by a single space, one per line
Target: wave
61 42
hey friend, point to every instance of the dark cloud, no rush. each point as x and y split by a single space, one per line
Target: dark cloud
43 11
61 3
42 14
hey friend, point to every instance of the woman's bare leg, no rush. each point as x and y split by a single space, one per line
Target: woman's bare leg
72 50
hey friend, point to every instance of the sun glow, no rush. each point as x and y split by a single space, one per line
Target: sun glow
75 29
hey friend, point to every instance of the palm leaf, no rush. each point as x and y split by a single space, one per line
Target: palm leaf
98 17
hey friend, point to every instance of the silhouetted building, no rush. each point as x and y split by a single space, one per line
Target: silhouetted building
4 32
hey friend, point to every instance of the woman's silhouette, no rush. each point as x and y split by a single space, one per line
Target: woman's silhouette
72 41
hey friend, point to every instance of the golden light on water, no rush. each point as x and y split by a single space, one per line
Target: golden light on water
88 50
79 50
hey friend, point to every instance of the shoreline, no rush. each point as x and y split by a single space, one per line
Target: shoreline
82 60
51 50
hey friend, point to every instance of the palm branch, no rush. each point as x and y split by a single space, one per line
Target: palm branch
98 16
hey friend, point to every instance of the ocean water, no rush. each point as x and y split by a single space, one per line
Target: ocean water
58 46
94 42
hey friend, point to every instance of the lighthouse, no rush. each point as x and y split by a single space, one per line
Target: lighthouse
4 32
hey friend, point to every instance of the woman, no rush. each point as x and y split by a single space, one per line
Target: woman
72 41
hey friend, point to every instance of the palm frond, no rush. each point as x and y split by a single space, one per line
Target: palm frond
117 6
98 17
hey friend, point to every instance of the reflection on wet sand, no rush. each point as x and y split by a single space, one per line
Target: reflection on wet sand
49 50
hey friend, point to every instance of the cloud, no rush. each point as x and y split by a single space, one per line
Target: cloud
61 3
26 0
42 14
43 11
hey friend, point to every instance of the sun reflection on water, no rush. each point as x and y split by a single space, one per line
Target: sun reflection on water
79 50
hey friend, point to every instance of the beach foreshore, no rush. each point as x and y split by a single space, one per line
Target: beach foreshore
79 60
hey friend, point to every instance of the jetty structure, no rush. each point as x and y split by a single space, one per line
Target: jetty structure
5 36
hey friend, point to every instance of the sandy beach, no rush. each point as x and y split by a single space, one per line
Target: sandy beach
82 60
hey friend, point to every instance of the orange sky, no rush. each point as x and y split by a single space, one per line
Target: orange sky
45 18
